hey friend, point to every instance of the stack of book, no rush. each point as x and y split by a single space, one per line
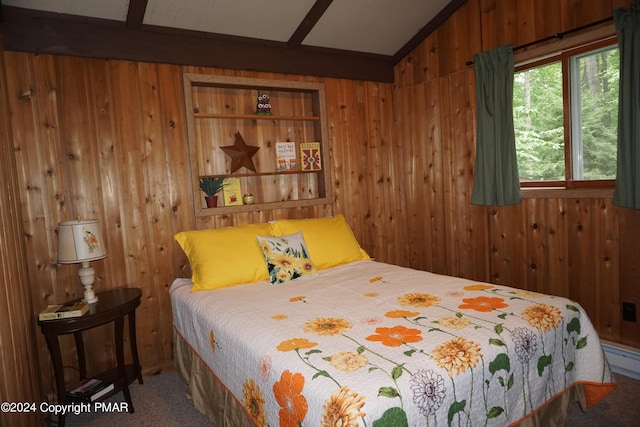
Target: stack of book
90 389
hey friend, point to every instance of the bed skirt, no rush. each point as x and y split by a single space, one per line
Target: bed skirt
212 399
208 394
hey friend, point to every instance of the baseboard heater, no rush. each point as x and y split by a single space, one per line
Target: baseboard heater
623 359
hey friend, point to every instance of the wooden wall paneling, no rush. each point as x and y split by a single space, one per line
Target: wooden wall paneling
448 177
178 186
547 20
557 262
364 183
101 110
575 13
137 155
469 239
508 245
337 134
392 156
435 190
582 245
102 106
350 179
157 333
607 265
436 173
19 381
498 23
629 226
410 100
537 250
519 246
378 154
526 20
464 32
31 140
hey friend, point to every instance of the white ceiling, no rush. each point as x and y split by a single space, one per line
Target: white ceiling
371 26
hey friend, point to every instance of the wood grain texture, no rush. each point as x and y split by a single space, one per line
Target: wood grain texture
108 139
20 379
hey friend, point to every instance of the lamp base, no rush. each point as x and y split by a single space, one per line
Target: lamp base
89 296
87 275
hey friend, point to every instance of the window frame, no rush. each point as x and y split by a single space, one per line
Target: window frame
564 56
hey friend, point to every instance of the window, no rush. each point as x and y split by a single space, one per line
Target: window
565 110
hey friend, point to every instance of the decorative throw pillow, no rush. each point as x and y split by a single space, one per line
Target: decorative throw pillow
287 257
224 256
330 240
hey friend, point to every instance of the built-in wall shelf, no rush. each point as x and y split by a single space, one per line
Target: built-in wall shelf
220 107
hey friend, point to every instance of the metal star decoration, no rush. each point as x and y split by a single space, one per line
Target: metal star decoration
241 154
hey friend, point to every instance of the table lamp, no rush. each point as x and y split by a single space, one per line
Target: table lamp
80 242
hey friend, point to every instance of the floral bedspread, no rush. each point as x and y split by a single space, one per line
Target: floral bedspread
372 344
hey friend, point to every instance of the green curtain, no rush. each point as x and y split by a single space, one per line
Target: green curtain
627 192
496 175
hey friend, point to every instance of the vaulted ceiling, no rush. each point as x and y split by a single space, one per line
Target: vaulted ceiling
360 39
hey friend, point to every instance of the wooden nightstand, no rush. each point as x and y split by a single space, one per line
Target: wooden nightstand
112 306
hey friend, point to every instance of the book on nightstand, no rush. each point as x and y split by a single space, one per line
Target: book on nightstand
64 311
90 389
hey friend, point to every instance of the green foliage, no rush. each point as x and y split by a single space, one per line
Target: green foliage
211 186
538 111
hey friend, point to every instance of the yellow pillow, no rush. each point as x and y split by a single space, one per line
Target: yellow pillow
330 240
225 256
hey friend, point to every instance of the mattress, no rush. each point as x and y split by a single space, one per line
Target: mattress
374 344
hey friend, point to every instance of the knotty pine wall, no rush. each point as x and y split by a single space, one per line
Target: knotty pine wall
20 379
107 139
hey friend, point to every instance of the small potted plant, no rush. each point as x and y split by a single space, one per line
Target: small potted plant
211 187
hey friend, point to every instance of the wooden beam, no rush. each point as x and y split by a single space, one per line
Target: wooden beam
309 21
53 33
135 15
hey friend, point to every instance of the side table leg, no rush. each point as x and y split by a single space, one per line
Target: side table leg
134 345
58 371
122 369
82 361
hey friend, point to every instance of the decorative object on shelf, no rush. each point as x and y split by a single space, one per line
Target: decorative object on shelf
241 154
310 156
211 187
248 199
80 242
263 107
286 156
232 191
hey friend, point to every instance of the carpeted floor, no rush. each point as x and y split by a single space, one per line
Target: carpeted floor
161 401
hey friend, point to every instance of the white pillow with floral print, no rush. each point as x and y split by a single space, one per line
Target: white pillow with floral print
287 257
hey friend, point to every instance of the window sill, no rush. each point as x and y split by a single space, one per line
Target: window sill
565 193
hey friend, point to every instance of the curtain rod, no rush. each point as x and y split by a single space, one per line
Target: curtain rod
556 35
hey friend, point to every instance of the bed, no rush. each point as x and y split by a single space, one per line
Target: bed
349 341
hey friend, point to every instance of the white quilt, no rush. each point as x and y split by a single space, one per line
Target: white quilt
372 344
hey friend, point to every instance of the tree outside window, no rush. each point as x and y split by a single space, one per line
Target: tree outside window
565 111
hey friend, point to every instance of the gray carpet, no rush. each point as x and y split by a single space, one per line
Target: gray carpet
161 401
